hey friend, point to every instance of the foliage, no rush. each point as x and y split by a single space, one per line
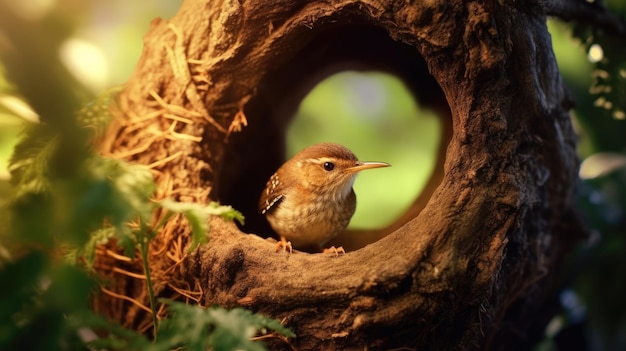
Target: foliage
603 200
217 327
63 200
69 213
592 299
198 329
35 300
604 117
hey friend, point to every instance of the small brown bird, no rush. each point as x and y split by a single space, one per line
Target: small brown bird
309 200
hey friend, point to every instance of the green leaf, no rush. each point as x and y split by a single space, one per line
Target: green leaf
96 114
196 328
118 337
195 215
88 251
198 216
21 276
241 317
58 296
29 164
36 297
30 221
226 212
133 184
108 189
233 329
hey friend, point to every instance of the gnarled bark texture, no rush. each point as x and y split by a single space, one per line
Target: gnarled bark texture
471 264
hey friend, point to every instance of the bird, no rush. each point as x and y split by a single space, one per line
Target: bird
309 200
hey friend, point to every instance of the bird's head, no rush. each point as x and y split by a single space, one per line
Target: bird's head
327 168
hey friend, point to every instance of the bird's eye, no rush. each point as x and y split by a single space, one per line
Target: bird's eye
329 166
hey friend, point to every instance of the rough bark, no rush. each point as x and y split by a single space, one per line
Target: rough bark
469 266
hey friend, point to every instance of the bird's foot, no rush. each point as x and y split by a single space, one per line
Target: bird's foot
336 251
285 245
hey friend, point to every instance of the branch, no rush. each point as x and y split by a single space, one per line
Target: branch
592 13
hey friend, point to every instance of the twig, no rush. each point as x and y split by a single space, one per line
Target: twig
180 67
124 297
118 256
592 13
165 160
127 273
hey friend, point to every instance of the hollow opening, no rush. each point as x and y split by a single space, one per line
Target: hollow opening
376 116
275 131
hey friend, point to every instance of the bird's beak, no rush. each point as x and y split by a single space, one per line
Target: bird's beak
359 166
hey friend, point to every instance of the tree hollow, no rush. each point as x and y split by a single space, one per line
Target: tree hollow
470 263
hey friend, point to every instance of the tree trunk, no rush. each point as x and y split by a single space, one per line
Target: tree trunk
470 266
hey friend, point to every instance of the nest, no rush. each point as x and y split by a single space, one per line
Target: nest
469 265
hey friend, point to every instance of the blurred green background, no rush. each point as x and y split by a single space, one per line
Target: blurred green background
374 115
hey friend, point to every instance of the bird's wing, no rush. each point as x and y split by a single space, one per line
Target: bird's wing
272 195
268 203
